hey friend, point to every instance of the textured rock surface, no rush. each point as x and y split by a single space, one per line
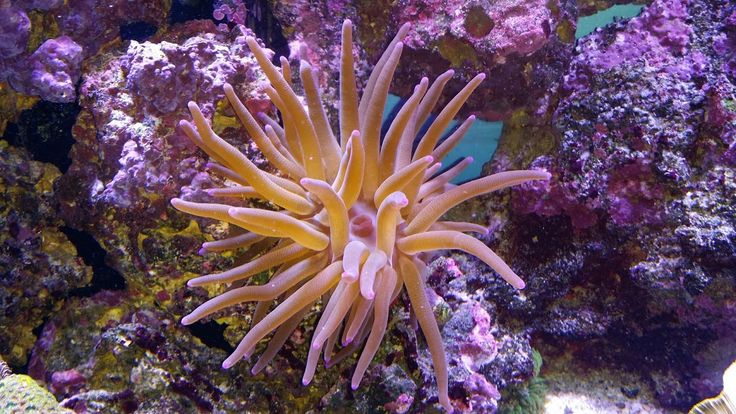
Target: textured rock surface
15 28
39 267
43 43
521 46
636 243
129 359
130 159
19 394
52 71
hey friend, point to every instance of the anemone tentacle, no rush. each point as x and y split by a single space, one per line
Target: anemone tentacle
356 211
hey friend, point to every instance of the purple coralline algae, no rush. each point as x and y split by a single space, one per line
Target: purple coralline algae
43 4
52 71
636 231
472 347
92 23
521 46
229 11
502 28
15 28
484 356
51 68
39 267
632 138
724 44
122 170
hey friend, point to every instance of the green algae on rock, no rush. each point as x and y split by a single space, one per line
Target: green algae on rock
19 394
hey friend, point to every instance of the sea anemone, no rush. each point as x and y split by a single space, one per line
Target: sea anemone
354 215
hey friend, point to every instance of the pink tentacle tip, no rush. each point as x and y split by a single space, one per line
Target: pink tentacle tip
369 295
306 381
354 386
347 341
349 277
202 251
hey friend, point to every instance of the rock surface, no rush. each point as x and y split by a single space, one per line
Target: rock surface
39 267
635 236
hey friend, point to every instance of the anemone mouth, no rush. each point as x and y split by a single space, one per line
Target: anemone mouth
354 213
362 221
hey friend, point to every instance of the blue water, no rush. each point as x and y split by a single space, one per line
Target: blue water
588 24
481 140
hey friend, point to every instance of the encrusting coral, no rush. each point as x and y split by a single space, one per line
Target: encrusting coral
356 213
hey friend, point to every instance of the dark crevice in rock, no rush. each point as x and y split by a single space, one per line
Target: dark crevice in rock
138 31
104 277
265 25
211 334
185 10
46 132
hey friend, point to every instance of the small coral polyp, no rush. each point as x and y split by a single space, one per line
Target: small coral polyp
354 213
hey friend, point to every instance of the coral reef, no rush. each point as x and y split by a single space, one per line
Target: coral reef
127 359
51 71
39 267
521 46
43 44
123 171
638 206
628 252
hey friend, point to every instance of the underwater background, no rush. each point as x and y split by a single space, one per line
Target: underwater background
628 252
